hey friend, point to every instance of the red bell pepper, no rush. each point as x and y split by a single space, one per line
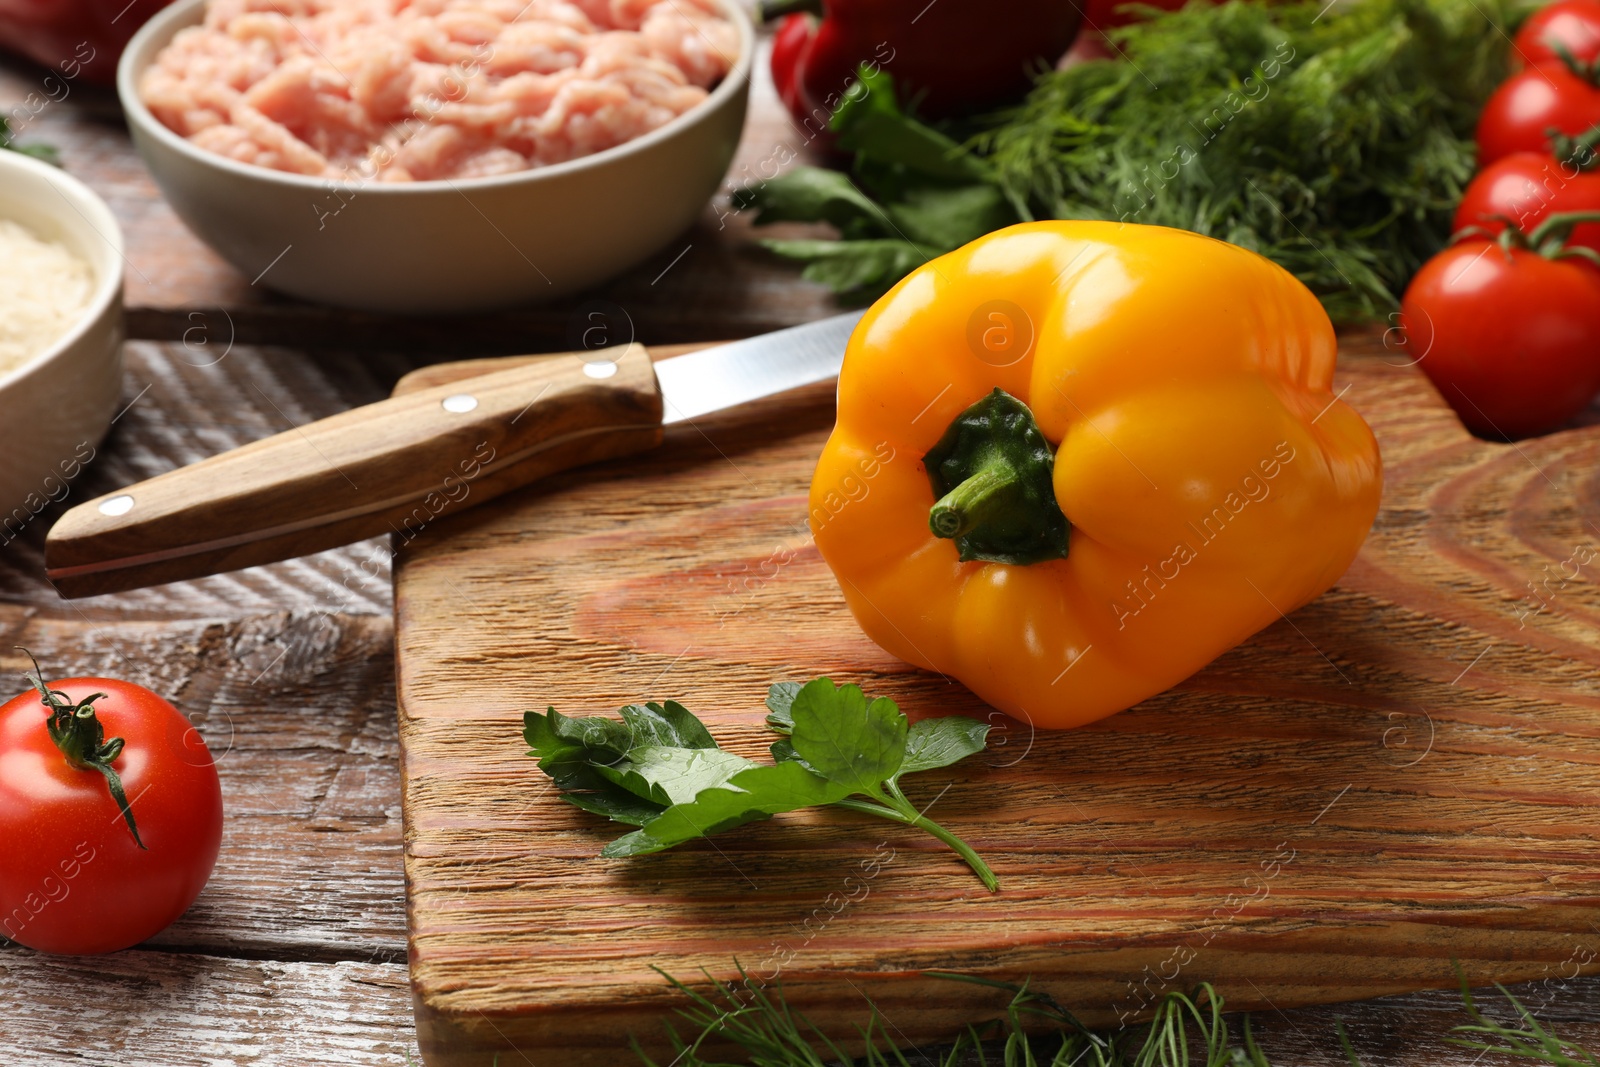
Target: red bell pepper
74 38
948 57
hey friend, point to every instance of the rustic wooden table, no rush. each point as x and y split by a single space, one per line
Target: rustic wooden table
295 953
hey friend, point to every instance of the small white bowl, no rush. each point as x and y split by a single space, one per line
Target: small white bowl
442 246
57 407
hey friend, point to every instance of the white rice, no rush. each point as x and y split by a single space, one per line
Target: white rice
44 289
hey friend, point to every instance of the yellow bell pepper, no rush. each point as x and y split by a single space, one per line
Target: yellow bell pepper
1163 471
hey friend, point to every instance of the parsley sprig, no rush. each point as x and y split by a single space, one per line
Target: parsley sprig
659 769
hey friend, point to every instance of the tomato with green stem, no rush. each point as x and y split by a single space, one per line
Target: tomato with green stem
1530 107
111 814
1508 327
1570 26
1525 188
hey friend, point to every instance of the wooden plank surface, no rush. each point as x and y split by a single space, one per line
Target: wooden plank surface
1397 776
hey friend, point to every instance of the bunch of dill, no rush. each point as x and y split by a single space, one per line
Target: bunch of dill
1335 142
1333 139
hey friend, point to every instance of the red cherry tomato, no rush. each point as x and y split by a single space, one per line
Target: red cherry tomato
1520 114
74 879
953 58
1570 24
1528 187
1510 338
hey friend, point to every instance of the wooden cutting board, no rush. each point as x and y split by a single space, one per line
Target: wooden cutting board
1402 773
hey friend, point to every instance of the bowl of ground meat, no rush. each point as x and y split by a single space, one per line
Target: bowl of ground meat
437 156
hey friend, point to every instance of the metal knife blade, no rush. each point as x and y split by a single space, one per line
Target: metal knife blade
736 373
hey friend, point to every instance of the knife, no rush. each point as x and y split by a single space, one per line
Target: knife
397 465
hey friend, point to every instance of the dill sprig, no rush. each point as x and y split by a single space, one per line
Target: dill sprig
1527 1039
1185 1030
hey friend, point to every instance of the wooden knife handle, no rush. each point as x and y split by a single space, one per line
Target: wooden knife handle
394 466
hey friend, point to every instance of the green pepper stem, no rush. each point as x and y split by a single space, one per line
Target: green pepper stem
993 476
965 507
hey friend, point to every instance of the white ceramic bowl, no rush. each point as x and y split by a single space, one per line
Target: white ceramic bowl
56 409
442 246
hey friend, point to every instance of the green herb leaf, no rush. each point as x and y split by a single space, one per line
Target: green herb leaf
872 125
569 750
617 806
949 218
935 743
1034 1030
812 194
757 793
783 752
841 747
847 739
930 744
866 268
780 702
666 724
665 775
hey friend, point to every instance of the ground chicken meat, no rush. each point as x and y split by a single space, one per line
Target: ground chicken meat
409 90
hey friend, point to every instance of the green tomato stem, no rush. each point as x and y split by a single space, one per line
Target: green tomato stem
78 733
897 808
114 784
1549 238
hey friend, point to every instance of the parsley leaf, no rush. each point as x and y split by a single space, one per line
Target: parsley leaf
935 743
757 793
780 701
617 806
842 737
811 194
856 267
569 750
666 776
666 724
930 744
661 771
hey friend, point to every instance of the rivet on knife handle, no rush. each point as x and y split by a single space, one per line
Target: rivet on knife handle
393 466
